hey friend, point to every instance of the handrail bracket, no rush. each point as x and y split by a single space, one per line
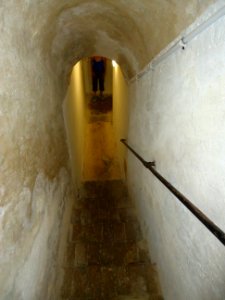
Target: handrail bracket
218 233
149 164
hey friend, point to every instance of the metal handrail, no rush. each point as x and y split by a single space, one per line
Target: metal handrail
215 230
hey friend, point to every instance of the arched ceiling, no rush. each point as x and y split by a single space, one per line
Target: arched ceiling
129 31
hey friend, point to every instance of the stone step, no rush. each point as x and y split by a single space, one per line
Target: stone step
107 257
105 231
94 189
97 282
86 215
84 254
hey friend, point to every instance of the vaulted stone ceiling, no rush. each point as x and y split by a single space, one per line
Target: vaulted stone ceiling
130 31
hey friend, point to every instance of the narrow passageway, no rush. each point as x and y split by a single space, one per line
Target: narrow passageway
168 103
107 256
100 158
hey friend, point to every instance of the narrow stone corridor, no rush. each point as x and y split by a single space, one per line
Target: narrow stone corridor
107 256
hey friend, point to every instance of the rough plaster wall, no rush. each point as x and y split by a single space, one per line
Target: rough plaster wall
36 273
177 119
120 114
34 184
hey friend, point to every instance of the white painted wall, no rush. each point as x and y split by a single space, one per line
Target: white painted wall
120 115
74 118
177 118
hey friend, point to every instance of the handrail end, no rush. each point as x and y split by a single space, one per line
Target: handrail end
123 140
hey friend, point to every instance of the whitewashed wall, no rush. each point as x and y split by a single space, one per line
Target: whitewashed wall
177 118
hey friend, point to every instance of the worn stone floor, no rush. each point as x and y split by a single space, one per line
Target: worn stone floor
107 256
101 161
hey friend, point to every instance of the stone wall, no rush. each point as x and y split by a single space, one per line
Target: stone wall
177 119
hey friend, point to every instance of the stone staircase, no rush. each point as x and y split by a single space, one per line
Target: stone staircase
107 257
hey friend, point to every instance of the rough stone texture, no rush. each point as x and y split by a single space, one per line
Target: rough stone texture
107 257
177 119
